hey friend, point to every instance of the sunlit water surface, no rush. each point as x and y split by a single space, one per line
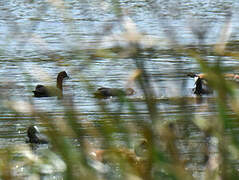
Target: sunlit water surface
30 31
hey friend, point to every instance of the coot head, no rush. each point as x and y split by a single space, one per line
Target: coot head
32 134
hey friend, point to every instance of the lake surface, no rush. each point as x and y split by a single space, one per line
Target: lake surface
38 40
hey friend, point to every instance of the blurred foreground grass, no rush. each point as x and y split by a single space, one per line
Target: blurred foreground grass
155 152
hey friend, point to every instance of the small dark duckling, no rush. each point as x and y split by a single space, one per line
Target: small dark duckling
104 92
43 91
32 132
201 85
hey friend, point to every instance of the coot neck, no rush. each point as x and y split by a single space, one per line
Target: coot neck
59 81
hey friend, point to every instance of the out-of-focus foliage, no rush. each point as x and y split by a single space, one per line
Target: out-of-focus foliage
155 153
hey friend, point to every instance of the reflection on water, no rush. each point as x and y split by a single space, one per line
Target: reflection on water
31 31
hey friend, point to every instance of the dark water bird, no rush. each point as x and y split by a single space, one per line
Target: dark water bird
201 84
104 92
32 134
44 91
201 87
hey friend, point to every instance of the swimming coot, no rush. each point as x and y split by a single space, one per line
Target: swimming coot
104 92
201 84
32 134
43 91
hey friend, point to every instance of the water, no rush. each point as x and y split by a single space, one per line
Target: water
33 33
